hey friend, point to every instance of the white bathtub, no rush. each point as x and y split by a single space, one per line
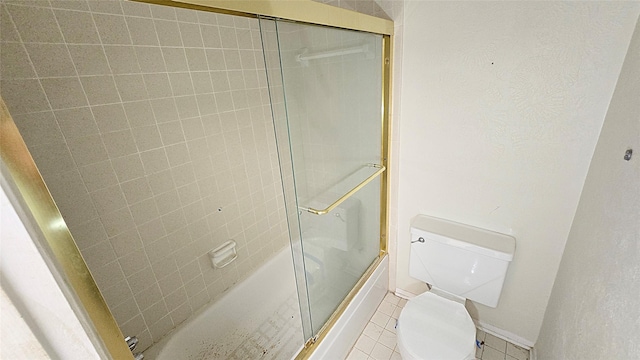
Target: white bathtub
257 319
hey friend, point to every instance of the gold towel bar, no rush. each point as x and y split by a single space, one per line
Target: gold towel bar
344 197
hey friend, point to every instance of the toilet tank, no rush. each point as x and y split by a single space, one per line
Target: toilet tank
460 259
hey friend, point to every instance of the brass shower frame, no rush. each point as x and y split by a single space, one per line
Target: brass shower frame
58 241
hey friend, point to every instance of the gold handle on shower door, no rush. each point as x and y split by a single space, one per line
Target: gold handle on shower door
344 197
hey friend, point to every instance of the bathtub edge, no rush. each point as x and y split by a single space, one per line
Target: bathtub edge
344 334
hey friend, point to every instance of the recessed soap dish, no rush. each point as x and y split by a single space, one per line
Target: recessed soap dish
223 255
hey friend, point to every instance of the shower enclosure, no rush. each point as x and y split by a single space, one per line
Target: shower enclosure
163 132
328 86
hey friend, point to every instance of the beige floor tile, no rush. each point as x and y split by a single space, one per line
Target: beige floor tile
373 331
489 353
496 343
380 319
388 339
391 298
357 354
396 312
386 308
391 325
365 344
517 352
381 352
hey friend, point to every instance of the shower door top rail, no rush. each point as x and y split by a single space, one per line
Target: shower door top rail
349 193
306 11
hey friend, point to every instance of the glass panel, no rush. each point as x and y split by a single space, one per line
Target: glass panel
157 156
278 110
332 129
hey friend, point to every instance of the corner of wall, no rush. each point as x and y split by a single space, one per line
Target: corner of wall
599 268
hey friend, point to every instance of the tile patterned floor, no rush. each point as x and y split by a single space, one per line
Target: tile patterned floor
495 348
378 340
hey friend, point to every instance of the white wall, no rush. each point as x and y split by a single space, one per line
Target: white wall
594 307
502 106
38 321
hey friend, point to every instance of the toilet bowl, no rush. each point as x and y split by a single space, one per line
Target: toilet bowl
432 327
460 262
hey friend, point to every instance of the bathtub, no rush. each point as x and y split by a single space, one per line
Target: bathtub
258 318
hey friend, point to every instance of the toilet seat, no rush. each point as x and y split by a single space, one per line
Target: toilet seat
431 327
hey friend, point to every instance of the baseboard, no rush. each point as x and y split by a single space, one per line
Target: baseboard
504 335
533 354
345 332
490 329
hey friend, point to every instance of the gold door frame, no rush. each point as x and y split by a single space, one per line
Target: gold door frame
305 11
58 239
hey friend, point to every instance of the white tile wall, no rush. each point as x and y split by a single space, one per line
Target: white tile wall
152 129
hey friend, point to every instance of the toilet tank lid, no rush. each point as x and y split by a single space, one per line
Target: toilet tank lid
471 238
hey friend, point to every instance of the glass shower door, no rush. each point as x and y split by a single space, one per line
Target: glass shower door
327 104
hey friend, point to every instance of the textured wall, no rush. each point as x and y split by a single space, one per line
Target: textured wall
502 104
32 301
152 129
594 309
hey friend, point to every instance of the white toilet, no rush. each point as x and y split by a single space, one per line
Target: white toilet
460 262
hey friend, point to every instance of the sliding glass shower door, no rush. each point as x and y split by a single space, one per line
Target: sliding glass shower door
326 92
